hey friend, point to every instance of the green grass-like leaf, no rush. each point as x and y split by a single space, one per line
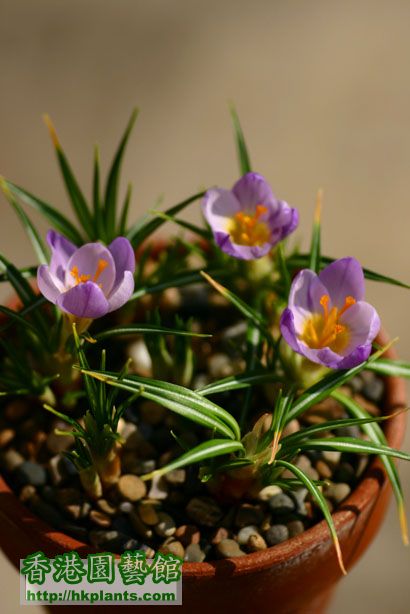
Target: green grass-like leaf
32 233
146 226
97 205
77 199
176 398
140 329
393 368
236 382
242 150
352 445
246 310
321 501
314 260
334 380
376 435
201 232
56 219
111 190
204 451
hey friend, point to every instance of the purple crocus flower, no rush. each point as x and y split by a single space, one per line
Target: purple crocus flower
88 281
248 220
327 319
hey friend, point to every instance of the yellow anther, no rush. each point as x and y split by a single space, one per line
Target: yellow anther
324 301
325 330
349 301
248 229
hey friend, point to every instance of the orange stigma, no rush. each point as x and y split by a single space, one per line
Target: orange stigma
102 265
80 279
325 330
247 229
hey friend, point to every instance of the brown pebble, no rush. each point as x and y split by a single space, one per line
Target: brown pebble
313 419
204 511
256 543
292 427
323 469
100 519
329 408
27 492
152 413
106 507
337 492
268 492
148 514
6 436
188 534
176 477
370 407
131 488
16 410
295 527
173 547
219 535
59 443
228 548
11 459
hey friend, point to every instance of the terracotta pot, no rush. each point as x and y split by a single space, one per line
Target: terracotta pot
297 576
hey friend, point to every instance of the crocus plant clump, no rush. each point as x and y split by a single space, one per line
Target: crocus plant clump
207 357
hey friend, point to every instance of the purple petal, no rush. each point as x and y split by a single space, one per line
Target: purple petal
363 323
356 357
252 189
304 297
287 328
86 300
87 260
322 356
244 252
48 284
343 278
122 292
218 207
61 251
289 219
124 257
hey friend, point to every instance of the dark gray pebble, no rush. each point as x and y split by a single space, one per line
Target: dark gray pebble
30 473
373 390
281 504
276 534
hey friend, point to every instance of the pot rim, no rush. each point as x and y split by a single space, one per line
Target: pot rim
375 478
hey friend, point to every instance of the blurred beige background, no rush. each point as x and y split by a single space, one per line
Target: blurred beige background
323 92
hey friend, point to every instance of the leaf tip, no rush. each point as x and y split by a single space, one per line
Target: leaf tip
53 134
318 207
4 187
403 524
